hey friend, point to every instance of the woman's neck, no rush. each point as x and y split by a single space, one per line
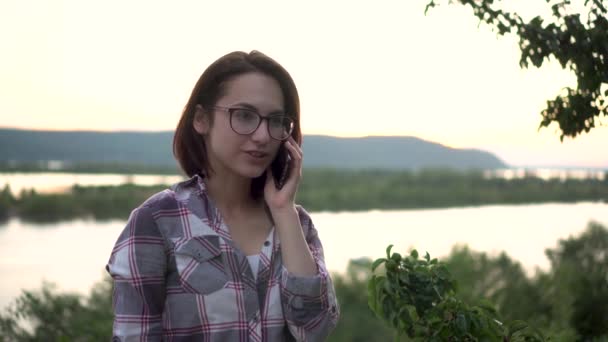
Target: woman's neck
230 194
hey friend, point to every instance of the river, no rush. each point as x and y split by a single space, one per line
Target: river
73 254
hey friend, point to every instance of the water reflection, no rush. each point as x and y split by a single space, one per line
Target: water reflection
60 182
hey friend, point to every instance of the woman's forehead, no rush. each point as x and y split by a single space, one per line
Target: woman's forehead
256 90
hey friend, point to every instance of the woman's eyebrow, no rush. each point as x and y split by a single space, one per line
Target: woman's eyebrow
254 108
245 105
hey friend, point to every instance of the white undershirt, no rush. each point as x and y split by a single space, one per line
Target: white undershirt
254 261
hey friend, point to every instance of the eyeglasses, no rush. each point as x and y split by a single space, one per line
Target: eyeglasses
246 121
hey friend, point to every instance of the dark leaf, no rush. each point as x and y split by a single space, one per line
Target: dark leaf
377 263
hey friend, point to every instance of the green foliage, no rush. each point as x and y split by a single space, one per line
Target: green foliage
577 43
417 297
499 280
579 276
357 322
376 189
569 302
46 315
98 202
333 190
7 201
503 282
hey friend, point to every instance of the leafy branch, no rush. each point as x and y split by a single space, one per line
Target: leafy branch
578 44
416 297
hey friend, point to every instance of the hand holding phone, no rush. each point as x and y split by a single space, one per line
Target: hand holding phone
283 177
281 167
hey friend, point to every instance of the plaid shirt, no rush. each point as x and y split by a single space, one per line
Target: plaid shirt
179 277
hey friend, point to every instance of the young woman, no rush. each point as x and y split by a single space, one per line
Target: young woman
227 255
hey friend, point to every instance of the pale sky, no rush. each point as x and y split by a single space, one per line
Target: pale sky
362 68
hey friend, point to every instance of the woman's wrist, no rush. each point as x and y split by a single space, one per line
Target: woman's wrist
284 215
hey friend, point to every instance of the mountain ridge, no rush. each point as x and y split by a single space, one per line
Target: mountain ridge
154 148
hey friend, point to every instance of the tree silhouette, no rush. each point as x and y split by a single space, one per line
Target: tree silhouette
579 41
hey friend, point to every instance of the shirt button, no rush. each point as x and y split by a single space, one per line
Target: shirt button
266 243
297 303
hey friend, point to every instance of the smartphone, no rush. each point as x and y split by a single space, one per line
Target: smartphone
280 167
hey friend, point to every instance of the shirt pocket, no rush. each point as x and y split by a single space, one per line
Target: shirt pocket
200 265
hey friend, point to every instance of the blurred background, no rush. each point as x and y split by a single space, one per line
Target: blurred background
422 131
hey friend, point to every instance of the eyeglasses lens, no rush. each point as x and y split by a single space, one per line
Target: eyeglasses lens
246 122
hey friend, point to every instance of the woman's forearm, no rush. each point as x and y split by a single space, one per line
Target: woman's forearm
296 255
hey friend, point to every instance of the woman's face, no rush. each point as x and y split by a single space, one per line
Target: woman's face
229 152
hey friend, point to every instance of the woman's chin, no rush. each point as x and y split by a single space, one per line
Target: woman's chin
252 172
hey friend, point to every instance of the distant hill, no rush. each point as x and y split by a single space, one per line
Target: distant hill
392 153
154 148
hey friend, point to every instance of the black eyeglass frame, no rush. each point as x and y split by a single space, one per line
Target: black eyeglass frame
231 110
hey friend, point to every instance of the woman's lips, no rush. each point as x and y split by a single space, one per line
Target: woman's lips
257 156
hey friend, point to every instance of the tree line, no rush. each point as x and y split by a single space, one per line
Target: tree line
326 190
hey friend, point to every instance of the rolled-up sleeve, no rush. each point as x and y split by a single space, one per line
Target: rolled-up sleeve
309 303
138 265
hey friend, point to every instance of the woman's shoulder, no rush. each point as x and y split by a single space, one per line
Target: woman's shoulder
159 200
304 215
169 198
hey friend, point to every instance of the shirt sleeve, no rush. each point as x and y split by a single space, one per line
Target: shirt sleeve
138 266
309 303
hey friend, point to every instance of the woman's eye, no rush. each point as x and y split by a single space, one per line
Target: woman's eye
276 121
244 115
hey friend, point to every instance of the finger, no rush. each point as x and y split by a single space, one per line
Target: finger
293 151
295 144
296 162
292 140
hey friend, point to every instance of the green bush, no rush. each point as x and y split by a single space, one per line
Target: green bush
357 322
417 298
422 299
46 315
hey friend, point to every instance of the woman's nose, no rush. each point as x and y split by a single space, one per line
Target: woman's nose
261 135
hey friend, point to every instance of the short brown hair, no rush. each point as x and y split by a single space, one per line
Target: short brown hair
188 146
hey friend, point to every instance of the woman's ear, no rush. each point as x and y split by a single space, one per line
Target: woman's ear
201 122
